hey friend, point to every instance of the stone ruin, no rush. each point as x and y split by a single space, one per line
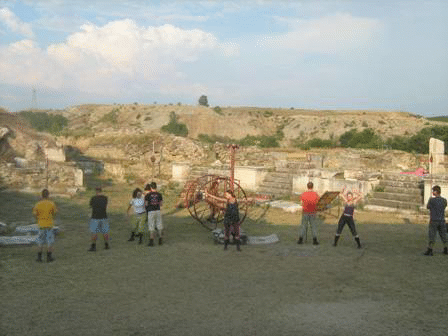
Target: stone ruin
41 166
387 179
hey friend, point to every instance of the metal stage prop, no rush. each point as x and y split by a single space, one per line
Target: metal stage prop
204 197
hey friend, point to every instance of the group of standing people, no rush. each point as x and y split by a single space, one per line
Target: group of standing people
147 214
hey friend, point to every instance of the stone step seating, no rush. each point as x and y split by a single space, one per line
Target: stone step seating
294 166
401 197
401 192
397 190
277 184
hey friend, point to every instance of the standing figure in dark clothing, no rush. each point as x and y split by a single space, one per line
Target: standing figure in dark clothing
99 222
350 201
153 202
436 206
231 220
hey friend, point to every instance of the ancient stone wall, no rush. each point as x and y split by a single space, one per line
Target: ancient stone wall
60 178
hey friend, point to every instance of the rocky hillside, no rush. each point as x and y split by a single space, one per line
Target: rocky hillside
127 139
31 160
237 123
18 139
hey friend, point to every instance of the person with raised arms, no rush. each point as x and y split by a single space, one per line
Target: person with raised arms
350 199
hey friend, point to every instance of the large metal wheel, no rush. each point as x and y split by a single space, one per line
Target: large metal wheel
207 210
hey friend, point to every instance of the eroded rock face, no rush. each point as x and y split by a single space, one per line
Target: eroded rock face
6 151
4 131
23 158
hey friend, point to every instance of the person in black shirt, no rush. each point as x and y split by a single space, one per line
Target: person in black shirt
350 201
153 202
231 216
436 206
99 222
231 220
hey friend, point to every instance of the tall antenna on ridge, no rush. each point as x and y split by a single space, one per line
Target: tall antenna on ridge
34 99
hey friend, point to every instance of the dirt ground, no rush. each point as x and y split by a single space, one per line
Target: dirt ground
190 286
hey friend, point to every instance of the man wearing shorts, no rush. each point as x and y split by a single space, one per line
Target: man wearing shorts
44 211
153 202
99 222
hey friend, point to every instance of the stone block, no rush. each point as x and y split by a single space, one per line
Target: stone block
55 154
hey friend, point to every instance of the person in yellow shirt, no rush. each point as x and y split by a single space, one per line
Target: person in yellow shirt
44 211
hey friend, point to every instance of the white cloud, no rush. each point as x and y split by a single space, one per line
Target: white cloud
24 64
13 23
329 34
123 47
109 58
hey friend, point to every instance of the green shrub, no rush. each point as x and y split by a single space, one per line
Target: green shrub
442 118
44 122
379 188
364 139
174 127
78 133
215 138
313 143
418 143
263 141
111 117
320 143
218 110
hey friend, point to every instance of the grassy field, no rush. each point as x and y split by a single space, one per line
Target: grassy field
190 286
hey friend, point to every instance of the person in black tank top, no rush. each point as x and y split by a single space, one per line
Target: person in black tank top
350 199
229 204
231 220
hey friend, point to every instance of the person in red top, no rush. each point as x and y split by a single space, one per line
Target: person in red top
309 201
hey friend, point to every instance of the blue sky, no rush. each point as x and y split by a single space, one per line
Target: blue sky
389 55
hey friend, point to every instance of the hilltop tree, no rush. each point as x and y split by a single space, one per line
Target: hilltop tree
203 101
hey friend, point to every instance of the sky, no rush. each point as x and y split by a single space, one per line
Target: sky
358 54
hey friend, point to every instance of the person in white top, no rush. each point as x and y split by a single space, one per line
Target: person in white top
138 218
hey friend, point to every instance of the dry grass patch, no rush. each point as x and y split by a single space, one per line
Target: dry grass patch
189 286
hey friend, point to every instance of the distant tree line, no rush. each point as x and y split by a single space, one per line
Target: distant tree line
368 139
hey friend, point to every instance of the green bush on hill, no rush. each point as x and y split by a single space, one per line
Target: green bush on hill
263 141
313 143
218 110
111 117
44 122
211 139
174 127
419 143
364 139
368 139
